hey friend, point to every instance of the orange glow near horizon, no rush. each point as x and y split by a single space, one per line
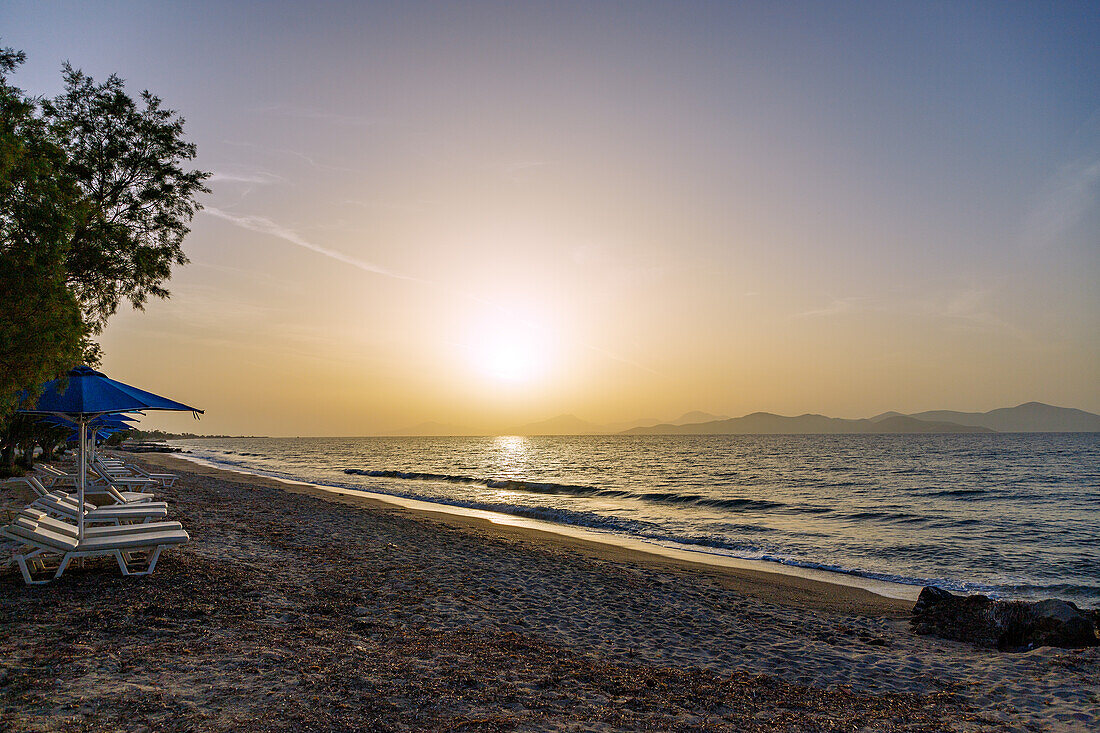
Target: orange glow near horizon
483 216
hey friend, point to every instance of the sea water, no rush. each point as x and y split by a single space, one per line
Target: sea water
1011 515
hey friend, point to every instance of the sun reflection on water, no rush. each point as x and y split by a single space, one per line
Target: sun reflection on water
512 450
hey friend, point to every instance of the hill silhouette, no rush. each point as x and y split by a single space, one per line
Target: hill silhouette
767 423
560 425
697 416
1030 417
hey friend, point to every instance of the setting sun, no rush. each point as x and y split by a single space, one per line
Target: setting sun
514 346
508 349
511 362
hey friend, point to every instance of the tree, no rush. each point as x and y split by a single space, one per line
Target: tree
128 161
41 330
95 202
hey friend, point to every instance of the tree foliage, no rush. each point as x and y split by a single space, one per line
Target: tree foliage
41 331
95 200
128 160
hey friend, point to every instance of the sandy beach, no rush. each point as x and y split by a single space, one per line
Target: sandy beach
293 608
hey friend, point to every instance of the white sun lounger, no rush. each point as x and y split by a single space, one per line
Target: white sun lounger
41 538
120 497
67 528
56 476
117 468
130 477
102 475
97 485
65 506
96 477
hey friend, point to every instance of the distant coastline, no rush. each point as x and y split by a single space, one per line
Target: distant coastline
1030 417
162 435
766 423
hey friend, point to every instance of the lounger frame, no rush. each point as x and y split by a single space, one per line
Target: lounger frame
35 561
39 539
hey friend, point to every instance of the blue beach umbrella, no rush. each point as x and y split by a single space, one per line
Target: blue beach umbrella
98 427
104 427
103 421
94 433
85 395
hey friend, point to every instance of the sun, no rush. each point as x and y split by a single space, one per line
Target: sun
511 362
507 349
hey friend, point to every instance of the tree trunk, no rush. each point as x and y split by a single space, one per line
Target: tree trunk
28 453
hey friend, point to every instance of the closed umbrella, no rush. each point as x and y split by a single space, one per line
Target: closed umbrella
84 395
99 428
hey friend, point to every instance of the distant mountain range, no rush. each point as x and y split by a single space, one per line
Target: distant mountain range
560 425
1031 417
767 423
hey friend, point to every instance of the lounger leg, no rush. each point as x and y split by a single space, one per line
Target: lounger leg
64 564
22 562
121 562
153 560
125 557
25 570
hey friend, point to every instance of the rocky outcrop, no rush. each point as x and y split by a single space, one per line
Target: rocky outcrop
1004 625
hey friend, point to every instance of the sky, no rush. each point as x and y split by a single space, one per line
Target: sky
488 214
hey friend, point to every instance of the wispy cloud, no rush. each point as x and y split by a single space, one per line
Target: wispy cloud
317 113
836 307
1064 201
386 205
968 306
623 360
521 169
263 225
258 178
293 153
251 274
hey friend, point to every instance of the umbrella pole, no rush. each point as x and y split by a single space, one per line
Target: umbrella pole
83 471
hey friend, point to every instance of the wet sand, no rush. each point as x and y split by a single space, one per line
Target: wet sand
791 588
296 609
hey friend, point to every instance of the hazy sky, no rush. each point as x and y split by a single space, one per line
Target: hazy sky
487 214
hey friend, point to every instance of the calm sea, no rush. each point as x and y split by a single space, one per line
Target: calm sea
1013 515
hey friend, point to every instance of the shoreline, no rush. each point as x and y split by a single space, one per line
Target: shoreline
292 608
787 584
877 516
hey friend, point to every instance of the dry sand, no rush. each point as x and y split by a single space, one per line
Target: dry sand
296 609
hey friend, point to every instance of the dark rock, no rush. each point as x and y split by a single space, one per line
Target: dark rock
1060 623
930 596
1005 625
963 618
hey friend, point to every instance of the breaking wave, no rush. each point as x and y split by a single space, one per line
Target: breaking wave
544 487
